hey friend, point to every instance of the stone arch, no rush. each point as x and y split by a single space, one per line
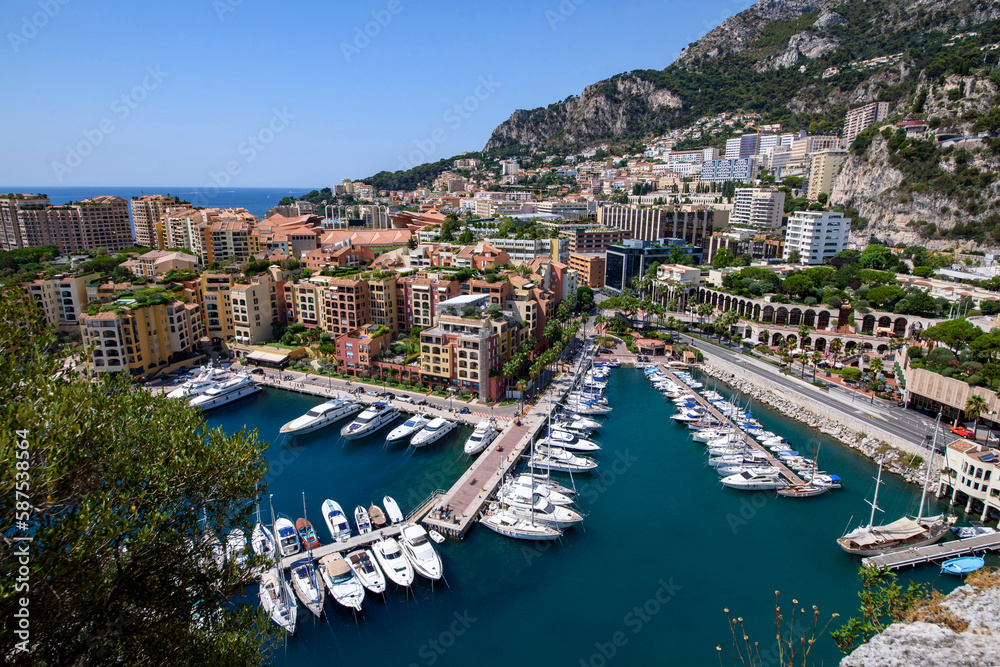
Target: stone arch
748 333
850 346
762 337
867 347
792 338
806 342
882 348
823 319
756 311
768 315
899 326
795 317
781 315
868 324
820 344
776 339
809 317
884 322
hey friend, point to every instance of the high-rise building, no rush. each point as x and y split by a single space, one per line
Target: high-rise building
61 299
651 223
761 209
256 306
100 222
860 119
735 169
589 268
146 212
746 145
816 235
822 170
631 259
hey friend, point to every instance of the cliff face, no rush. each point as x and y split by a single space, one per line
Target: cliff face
961 630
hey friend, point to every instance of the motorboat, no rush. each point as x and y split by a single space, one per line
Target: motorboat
262 542
307 585
412 425
544 480
395 565
746 481
322 415
559 460
238 387
392 511
585 407
709 434
367 570
523 502
420 552
437 537
361 519
307 534
764 469
377 517
581 421
542 489
687 415
200 383
276 599
570 441
973 529
508 524
236 547
288 539
962 565
481 437
341 581
336 521
374 417
574 426
435 429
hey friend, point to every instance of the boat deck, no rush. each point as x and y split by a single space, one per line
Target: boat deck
790 477
473 489
934 552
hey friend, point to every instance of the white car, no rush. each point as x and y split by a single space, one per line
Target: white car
404 398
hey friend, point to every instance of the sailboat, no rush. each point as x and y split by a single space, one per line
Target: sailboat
901 534
275 594
813 486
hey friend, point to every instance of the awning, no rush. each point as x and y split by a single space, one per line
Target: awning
267 357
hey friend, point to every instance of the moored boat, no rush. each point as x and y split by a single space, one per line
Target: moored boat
361 519
420 552
395 565
377 517
373 418
341 581
392 511
322 415
336 521
369 574
435 429
481 437
288 539
405 430
307 585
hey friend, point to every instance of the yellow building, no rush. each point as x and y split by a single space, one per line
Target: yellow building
384 302
62 299
216 301
824 167
256 306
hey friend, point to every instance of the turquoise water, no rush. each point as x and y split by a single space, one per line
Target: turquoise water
663 550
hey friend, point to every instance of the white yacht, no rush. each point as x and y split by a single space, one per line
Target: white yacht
288 539
436 429
393 562
748 481
480 439
200 383
508 524
392 511
336 521
523 502
543 489
559 460
570 441
581 422
377 415
364 565
341 581
307 585
408 428
585 407
223 393
418 550
322 415
276 599
540 480
262 542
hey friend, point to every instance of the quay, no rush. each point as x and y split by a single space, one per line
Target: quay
480 482
933 552
791 477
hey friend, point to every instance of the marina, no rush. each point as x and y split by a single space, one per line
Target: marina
934 553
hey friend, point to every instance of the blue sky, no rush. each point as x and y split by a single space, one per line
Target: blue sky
297 94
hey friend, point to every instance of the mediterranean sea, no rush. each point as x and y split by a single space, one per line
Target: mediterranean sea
664 549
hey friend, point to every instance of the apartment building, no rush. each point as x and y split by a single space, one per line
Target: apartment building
337 256
294 236
860 119
650 223
139 339
590 239
739 242
215 297
61 299
823 168
358 349
556 277
420 298
735 169
571 210
213 235
525 250
817 235
256 306
757 208
343 304
743 146
589 267
30 221
159 262
147 211
631 259
971 473
803 147
384 302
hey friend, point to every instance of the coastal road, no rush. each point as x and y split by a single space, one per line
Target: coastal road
900 422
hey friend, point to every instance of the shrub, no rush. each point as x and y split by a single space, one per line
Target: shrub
851 374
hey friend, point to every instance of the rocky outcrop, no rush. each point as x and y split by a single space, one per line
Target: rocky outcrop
960 630
804 45
829 19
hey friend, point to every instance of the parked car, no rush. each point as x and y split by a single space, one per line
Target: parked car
257 371
962 431
372 393
388 394
404 398
422 401
464 411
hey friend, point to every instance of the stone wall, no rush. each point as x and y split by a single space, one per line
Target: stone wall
850 430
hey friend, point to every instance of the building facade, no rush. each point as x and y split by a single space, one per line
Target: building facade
757 208
589 267
99 222
650 223
823 168
817 235
632 259
860 119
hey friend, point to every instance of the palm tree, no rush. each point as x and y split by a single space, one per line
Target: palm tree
803 332
975 406
816 358
704 310
874 366
836 345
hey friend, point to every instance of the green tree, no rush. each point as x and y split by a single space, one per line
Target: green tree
794 257
975 407
411 242
798 284
128 492
723 258
883 602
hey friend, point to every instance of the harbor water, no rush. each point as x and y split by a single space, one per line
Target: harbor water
664 549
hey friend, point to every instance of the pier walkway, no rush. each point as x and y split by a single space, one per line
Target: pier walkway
791 477
473 489
934 552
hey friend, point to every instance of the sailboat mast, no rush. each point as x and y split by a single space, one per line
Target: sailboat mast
878 483
930 463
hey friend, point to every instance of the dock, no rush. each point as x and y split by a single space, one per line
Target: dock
934 552
459 507
790 477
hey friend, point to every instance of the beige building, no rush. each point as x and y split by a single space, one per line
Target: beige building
159 262
216 302
858 120
147 211
213 235
100 222
256 306
62 299
823 169
971 474
758 209
589 268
